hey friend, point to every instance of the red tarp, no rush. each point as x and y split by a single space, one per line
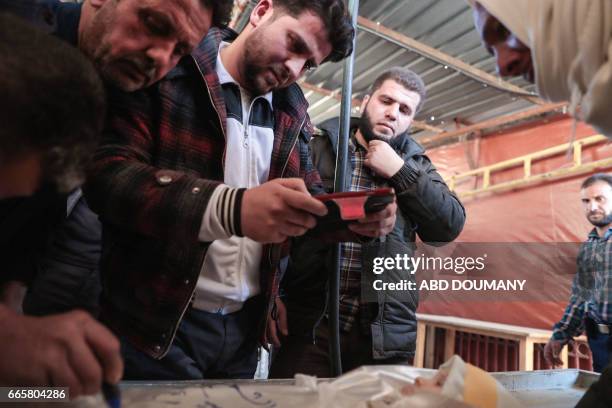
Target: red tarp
541 213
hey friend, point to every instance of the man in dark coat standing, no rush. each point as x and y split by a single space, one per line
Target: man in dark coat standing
374 329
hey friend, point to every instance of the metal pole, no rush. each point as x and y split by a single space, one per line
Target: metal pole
340 184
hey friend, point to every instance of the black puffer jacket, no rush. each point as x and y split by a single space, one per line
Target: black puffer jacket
425 207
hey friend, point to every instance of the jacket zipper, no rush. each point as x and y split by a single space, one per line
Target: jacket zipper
322 315
245 143
318 322
297 137
271 302
245 133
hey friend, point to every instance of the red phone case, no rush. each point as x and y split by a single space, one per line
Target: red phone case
344 208
354 205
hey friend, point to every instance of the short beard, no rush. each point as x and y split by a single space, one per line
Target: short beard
607 220
252 71
366 128
108 72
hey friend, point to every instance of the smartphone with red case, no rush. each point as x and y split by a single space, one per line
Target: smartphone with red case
344 208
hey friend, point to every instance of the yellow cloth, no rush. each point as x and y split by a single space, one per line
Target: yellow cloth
474 387
479 389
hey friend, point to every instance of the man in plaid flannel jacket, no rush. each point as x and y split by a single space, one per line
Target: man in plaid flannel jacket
56 250
590 305
188 191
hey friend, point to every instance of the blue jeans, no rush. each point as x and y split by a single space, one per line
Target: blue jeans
206 346
601 346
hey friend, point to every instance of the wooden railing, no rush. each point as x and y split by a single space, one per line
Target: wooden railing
484 174
493 346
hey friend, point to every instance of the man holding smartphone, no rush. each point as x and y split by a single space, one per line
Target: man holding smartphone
382 154
200 183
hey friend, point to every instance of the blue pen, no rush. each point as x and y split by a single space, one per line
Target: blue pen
112 395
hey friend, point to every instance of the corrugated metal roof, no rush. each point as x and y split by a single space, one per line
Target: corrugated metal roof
445 25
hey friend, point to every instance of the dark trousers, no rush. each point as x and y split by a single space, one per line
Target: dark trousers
599 394
300 355
206 346
600 344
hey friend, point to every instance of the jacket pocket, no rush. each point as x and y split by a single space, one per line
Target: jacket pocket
381 283
393 287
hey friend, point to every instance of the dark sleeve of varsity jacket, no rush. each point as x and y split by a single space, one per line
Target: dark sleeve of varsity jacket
156 177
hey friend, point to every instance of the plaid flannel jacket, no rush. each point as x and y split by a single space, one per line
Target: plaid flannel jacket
591 295
161 157
362 179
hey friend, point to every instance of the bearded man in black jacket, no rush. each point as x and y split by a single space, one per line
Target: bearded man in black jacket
381 330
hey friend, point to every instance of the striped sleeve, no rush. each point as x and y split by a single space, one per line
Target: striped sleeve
222 216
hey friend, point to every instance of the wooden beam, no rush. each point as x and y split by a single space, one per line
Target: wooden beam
237 13
443 58
525 161
424 126
357 102
526 347
449 343
327 92
419 355
548 176
430 345
491 123
565 356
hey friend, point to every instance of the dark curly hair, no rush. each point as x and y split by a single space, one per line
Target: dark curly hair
405 77
335 17
53 102
606 178
222 11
